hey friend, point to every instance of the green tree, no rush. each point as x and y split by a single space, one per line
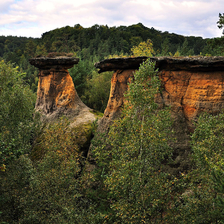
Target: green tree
51 187
41 50
16 113
165 47
208 143
133 158
221 21
80 73
30 49
203 198
184 50
97 90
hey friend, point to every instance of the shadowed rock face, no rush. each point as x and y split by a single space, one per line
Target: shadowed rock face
56 94
190 85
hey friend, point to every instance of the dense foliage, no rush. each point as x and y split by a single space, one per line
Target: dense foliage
129 182
16 113
45 177
133 167
48 188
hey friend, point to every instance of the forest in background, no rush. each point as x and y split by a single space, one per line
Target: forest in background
129 182
97 43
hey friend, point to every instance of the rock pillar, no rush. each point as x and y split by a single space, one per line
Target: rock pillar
56 94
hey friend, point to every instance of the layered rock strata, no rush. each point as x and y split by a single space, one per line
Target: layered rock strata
56 94
190 85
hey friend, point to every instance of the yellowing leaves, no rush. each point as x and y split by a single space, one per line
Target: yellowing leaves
3 168
143 49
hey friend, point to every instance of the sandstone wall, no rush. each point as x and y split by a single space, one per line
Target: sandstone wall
194 92
189 86
55 91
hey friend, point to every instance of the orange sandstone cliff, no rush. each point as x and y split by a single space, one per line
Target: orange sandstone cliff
190 85
194 84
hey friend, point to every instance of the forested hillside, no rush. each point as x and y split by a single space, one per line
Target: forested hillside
96 43
47 173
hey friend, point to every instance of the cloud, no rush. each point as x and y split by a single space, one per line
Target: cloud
34 17
5 6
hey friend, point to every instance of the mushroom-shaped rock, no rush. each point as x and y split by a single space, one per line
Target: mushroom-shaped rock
56 94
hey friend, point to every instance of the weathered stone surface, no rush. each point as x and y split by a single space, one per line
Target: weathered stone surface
119 85
195 64
60 62
193 83
190 85
56 94
194 92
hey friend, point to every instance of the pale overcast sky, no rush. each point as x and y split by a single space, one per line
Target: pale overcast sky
31 18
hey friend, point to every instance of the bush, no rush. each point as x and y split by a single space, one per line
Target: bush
52 187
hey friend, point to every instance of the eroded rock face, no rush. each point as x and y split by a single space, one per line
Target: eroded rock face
190 85
56 94
124 69
194 84
194 92
119 85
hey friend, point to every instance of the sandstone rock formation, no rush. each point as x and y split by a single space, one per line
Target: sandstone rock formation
190 85
194 84
124 69
56 94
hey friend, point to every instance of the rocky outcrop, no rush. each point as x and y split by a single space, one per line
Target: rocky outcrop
194 84
190 85
124 69
56 94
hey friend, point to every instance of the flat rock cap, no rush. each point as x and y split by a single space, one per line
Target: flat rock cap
49 62
120 63
194 63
